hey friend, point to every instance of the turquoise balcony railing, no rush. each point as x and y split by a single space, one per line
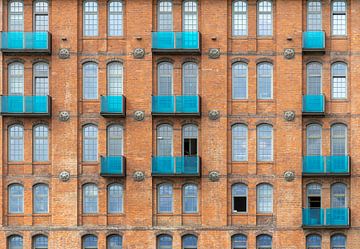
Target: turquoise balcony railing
313 104
331 217
313 217
25 105
314 41
176 166
176 105
176 41
112 166
322 165
26 42
112 105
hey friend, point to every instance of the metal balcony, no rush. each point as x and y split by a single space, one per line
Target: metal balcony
26 106
313 41
112 166
112 105
326 218
26 42
176 105
176 42
175 166
313 105
326 165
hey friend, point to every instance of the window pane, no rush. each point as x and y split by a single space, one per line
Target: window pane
164 140
239 198
314 78
114 242
90 198
338 140
115 198
190 140
339 17
41 78
115 78
239 143
339 80
165 198
264 242
314 18
16 143
41 198
239 81
165 78
239 242
190 16
41 16
165 15
190 201
338 195
41 143
239 21
90 143
265 143
338 241
115 18
15 242
90 81
264 198
164 242
115 140
313 242
189 242
16 16
90 18
313 137
314 189
265 18
40 242
16 199
90 242
16 79
264 80
190 78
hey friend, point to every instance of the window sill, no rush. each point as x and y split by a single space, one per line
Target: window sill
90 100
339 100
239 214
191 214
265 214
264 37
265 162
42 215
116 215
89 163
340 37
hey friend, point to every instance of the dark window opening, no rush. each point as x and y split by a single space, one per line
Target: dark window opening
190 147
240 204
314 202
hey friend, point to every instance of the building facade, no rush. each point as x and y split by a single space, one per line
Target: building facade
179 124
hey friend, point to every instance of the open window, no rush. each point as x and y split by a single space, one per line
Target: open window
239 198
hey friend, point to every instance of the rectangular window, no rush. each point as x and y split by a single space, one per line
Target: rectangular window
115 18
339 18
41 16
314 18
240 204
265 25
90 18
239 18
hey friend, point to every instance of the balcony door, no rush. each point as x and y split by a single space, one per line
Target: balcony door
190 140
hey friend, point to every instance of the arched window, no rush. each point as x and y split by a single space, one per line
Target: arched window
239 241
90 143
314 78
313 241
41 78
114 242
41 143
164 140
190 78
115 78
239 198
338 21
265 25
16 199
90 80
41 199
239 18
90 242
165 15
115 198
41 15
115 140
90 19
314 17
263 242
265 142
190 140
15 242
165 198
338 195
190 16
16 143
16 15
338 241
339 80
164 241
190 198
264 193
239 142
239 80
338 140
313 196
265 80
189 242
313 140
115 21
165 78
90 198
40 242
16 78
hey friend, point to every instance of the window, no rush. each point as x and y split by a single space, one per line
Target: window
314 18
264 200
239 18
41 78
190 78
239 198
90 18
239 142
313 241
165 78
314 78
16 16
164 140
190 16
115 18
338 17
90 242
41 17
338 140
16 199
115 198
16 78
338 241
90 80
239 241
313 140
189 242
339 80
90 143
239 80
40 242
265 142
90 199
15 242
263 242
165 19
115 140
165 198
114 242
314 197
264 80
190 198
115 78
41 199
16 143
265 25
164 242
41 143
190 140
338 195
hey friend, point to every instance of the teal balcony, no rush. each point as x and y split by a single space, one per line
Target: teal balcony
26 42
326 165
26 106
314 41
176 105
112 166
112 105
313 105
326 218
188 42
175 166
